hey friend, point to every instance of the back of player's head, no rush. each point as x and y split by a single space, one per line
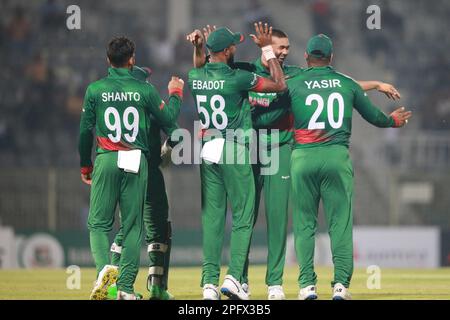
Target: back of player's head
120 50
279 34
319 49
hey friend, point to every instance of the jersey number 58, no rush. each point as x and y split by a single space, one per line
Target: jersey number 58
216 111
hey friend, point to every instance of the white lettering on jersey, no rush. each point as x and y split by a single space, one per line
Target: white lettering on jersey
120 96
323 84
208 85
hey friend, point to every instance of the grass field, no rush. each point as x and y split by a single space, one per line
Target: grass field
184 284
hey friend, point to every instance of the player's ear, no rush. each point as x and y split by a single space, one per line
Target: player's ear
331 58
305 55
107 60
132 61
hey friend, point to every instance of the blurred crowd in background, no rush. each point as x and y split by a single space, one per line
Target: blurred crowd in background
46 67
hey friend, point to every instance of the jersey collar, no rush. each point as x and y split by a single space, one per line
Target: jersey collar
217 65
119 72
324 68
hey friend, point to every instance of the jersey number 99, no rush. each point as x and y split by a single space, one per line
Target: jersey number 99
116 126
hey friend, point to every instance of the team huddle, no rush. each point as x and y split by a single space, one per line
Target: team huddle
303 115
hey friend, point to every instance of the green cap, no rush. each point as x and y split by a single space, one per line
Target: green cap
222 38
319 46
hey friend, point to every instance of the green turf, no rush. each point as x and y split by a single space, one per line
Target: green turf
184 284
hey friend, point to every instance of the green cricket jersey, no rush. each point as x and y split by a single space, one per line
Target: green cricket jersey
220 93
271 110
322 101
119 107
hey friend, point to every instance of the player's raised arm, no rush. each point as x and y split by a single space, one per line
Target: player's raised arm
263 39
388 89
198 40
375 116
167 114
85 141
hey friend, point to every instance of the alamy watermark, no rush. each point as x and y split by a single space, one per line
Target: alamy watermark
374 278
73 281
373 22
241 146
73 21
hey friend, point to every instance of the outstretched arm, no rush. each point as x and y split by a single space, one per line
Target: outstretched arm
375 116
388 89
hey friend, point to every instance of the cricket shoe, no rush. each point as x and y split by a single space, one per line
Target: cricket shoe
210 292
246 289
121 295
107 276
340 292
275 293
233 289
157 293
308 293
112 293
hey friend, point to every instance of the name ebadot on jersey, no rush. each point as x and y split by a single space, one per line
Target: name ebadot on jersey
208 85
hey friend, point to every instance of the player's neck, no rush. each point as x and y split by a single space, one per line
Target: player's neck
318 65
218 59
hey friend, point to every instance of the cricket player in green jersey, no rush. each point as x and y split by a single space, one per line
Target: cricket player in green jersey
322 102
119 108
157 225
272 111
220 93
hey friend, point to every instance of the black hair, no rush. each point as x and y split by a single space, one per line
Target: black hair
120 50
279 34
319 60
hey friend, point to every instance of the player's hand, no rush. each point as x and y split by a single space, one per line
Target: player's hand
207 31
176 84
166 154
263 35
86 178
196 38
389 90
400 117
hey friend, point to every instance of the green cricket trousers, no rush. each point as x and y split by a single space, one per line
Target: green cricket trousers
323 173
112 186
228 181
276 184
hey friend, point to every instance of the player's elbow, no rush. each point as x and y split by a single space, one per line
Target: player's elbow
281 86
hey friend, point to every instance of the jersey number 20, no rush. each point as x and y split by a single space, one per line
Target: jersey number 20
216 111
115 126
335 124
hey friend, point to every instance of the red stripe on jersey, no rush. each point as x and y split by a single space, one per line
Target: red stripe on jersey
161 106
286 123
305 136
107 144
258 86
